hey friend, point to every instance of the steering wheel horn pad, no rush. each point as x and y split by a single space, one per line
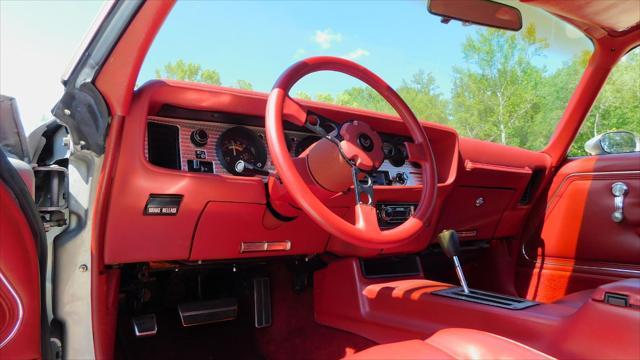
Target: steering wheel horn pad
361 145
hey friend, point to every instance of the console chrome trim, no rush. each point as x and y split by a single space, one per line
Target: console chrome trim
18 322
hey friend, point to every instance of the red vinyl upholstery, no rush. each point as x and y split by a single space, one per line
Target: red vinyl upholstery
19 282
453 344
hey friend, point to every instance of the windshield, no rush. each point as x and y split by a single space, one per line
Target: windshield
501 86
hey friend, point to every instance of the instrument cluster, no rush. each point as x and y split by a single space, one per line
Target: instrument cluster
241 150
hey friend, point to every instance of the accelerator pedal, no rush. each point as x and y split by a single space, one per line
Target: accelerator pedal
262 302
206 312
145 325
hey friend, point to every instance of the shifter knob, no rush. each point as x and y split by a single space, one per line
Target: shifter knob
449 242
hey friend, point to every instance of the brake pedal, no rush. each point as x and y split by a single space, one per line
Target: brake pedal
262 302
145 325
206 312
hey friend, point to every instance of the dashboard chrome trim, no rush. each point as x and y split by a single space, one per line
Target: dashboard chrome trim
262 246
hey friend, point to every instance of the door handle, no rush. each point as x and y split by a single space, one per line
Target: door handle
618 190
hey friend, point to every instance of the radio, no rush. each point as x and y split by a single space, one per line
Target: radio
392 215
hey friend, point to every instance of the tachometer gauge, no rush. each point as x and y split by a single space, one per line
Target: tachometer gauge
389 149
239 143
399 153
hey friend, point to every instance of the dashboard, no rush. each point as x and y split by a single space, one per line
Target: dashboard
178 194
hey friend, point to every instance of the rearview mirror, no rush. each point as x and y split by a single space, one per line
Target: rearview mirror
479 12
613 142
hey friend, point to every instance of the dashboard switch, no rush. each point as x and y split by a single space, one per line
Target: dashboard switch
386 213
199 137
200 166
201 155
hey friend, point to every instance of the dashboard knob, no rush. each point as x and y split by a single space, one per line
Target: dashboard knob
401 178
199 137
386 213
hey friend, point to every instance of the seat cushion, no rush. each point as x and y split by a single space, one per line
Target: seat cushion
404 350
453 344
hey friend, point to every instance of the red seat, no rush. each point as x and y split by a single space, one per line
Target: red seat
453 344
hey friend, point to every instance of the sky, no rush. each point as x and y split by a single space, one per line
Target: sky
248 40
37 41
256 41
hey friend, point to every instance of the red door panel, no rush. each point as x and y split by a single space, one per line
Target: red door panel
19 283
581 246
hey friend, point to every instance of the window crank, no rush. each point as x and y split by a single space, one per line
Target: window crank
618 190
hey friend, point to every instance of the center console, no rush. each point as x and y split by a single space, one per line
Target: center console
404 307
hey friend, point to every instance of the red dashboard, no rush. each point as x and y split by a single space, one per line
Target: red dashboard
220 211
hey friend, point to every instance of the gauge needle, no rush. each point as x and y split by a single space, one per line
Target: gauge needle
234 147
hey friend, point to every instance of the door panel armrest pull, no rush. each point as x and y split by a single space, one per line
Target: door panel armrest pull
618 190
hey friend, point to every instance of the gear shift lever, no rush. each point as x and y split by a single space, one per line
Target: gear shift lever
450 244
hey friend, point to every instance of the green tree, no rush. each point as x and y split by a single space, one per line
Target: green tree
363 98
243 84
325 97
617 106
424 98
420 93
188 71
554 94
494 97
302 95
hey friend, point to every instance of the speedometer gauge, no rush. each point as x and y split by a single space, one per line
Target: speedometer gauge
239 143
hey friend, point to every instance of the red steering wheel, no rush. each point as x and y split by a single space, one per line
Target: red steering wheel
365 232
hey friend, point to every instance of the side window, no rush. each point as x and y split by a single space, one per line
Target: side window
613 125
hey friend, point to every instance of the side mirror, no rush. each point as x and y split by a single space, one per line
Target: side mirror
479 12
613 142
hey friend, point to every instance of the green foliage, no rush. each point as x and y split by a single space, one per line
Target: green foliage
617 106
302 95
181 70
424 98
502 94
188 71
325 97
495 96
243 84
421 94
